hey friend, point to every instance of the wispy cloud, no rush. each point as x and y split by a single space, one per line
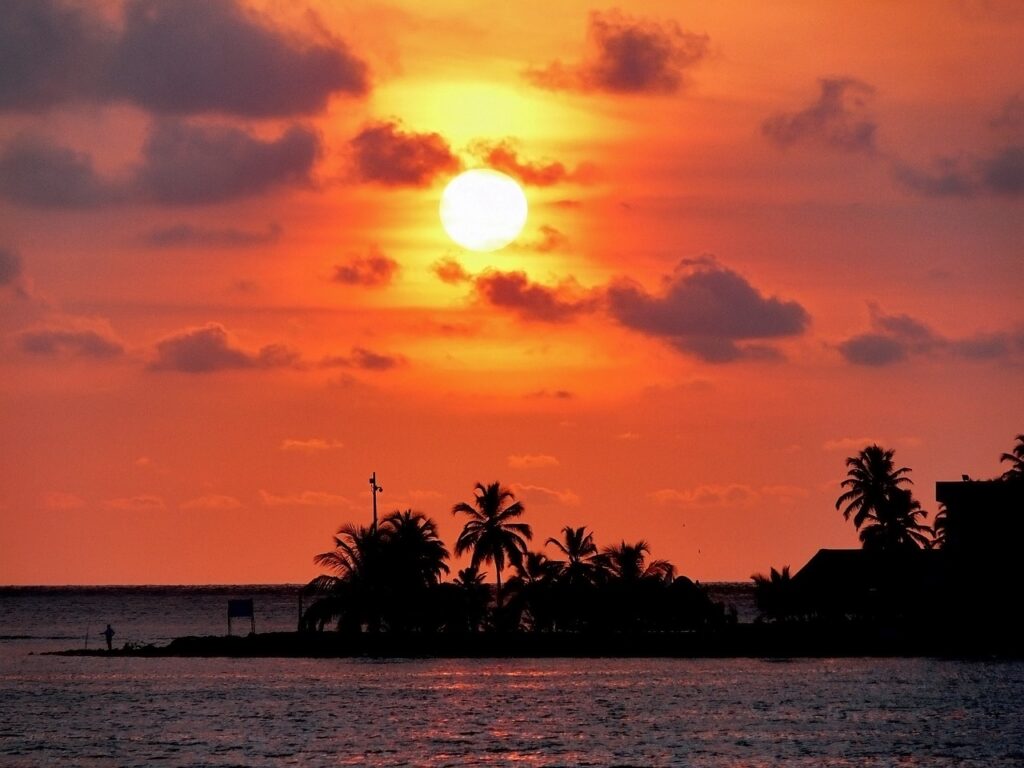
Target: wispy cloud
304 499
310 445
532 461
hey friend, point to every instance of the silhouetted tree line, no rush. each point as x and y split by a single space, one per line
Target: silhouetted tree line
891 527
392 579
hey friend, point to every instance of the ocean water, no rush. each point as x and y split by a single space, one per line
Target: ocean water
117 711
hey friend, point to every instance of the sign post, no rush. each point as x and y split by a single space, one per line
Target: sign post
240 609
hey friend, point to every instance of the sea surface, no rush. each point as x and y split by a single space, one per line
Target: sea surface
118 711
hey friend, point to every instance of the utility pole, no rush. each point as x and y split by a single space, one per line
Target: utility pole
374 490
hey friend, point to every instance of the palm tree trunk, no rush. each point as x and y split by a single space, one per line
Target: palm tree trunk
497 595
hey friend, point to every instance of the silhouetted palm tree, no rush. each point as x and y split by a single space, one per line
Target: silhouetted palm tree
473 596
580 552
380 577
352 590
1016 460
871 479
628 563
531 588
491 532
415 553
773 594
896 524
940 529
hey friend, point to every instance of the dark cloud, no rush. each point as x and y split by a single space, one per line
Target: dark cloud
365 359
168 57
555 394
10 266
450 271
837 119
38 173
947 177
504 156
1003 172
179 57
706 310
182 164
372 270
986 346
1011 115
896 338
209 349
186 235
551 239
50 52
51 342
532 301
193 164
1000 173
386 154
874 349
627 55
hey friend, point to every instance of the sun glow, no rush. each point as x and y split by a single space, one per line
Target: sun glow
483 209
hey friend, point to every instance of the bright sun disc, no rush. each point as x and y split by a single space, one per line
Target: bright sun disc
483 210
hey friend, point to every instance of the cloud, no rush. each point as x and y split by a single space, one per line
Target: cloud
946 177
504 156
216 56
1011 115
515 292
38 173
50 52
893 339
212 502
566 497
1002 173
168 57
706 310
365 359
551 239
556 394
837 119
999 173
10 266
988 346
450 271
373 270
312 445
304 499
896 338
79 342
209 348
182 164
141 503
627 55
386 154
186 235
185 164
849 443
705 495
58 501
532 461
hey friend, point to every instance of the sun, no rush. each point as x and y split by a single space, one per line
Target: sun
483 209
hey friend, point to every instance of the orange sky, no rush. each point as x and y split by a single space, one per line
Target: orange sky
759 238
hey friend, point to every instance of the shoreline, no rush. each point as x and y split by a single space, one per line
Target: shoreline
742 641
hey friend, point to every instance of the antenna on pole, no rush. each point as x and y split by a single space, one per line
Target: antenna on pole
374 490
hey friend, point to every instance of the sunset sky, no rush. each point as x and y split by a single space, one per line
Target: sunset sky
760 237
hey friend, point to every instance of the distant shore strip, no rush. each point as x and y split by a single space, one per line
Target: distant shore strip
741 641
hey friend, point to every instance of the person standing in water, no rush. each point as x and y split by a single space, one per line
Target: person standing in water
108 633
